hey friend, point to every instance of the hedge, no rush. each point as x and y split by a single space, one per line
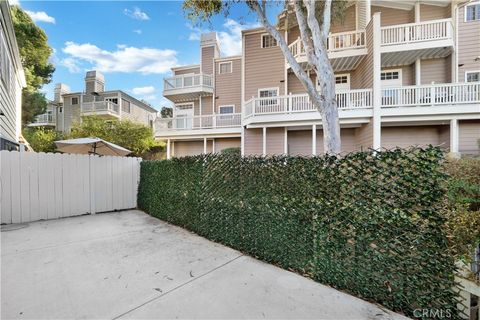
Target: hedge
368 223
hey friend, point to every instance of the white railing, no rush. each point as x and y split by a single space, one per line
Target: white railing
45 118
428 95
417 32
336 42
100 106
351 99
212 121
187 81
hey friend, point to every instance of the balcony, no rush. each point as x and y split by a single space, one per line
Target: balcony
432 100
298 107
104 109
203 125
403 44
345 49
44 120
187 87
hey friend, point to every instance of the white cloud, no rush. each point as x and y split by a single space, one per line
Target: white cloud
136 14
144 90
14 2
71 64
40 16
137 31
230 39
124 59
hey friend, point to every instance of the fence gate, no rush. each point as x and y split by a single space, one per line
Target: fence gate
36 186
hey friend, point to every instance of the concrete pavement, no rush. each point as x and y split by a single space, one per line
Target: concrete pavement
130 265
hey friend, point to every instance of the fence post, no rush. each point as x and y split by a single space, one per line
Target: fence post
91 183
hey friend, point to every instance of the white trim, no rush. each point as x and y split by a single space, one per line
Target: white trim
285 140
183 104
465 11
470 71
180 68
314 140
228 58
261 40
264 141
454 136
220 67
266 89
226 105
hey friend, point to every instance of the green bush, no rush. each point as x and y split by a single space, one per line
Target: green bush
367 223
42 139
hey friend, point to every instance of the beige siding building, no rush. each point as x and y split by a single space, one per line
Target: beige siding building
407 73
12 81
68 108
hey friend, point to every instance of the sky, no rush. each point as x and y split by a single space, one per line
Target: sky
133 43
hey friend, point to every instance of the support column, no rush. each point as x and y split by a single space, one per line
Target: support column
418 71
285 141
213 145
264 142
242 142
168 149
314 140
377 88
454 138
204 145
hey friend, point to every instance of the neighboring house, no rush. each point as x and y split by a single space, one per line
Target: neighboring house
407 73
12 81
68 108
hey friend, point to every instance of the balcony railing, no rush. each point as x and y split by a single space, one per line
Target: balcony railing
417 32
46 118
428 95
213 121
351 99
336 42
100 106
187 81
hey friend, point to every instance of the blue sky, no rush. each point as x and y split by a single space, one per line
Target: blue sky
134 43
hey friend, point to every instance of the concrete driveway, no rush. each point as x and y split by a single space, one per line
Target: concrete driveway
130 265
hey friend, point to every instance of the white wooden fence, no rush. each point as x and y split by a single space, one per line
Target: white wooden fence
36 186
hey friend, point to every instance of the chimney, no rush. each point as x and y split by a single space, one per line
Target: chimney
60 89
94 82
209 50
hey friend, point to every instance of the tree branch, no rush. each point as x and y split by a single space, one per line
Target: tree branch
305 33
297 69
327 18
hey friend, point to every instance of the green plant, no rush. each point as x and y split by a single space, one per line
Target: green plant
133 136
234 151
42 139
369 223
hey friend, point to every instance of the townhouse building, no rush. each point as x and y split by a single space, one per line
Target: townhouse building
68 107
12 81
406 72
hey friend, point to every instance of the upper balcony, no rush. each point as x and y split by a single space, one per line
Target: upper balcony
198 125
187 87
403 44
345 49
44 120
104 109
355 106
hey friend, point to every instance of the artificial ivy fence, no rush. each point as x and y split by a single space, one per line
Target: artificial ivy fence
367 223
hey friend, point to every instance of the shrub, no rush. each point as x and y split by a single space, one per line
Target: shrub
42 139
234 151
368 223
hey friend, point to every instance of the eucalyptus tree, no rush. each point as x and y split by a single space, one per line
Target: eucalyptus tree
314 18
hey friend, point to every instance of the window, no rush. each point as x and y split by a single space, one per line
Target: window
114 100
472 12
268 41
341 79
225 67
472 76
226 109
125 106
74 100
270 92
60 109
390 75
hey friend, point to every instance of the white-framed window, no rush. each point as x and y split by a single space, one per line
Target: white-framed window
125 106
268 92
390 79
183 114
226 109
268 41
74 100
391 75
225 67
113 100
472 76
472 12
